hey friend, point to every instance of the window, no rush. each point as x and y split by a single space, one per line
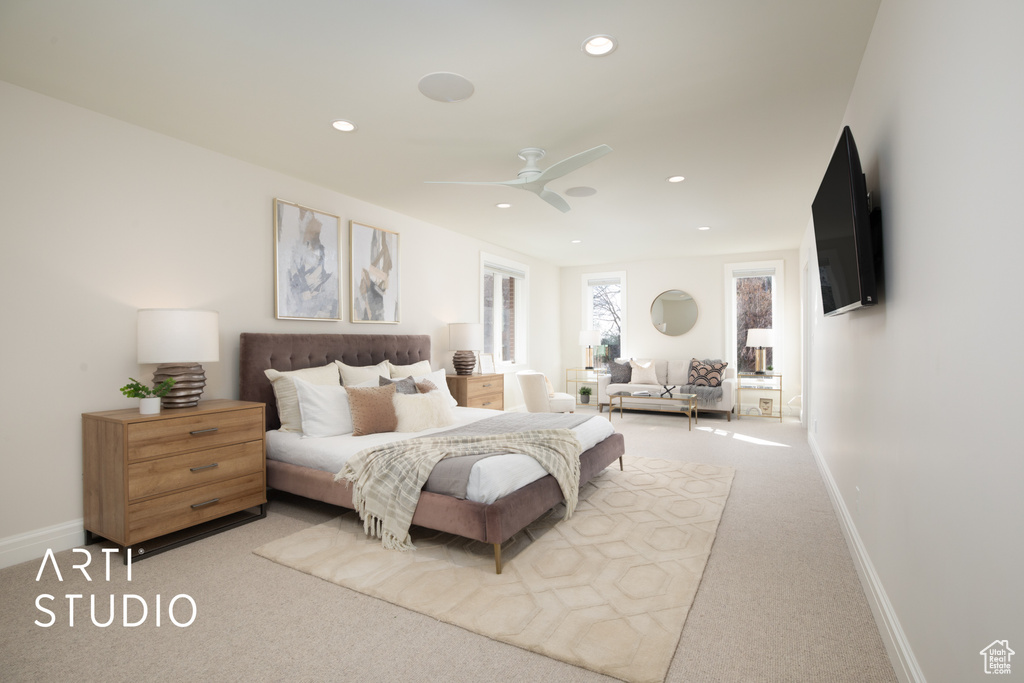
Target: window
504 297
754 297
603 297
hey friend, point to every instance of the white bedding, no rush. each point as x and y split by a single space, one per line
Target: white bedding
490 478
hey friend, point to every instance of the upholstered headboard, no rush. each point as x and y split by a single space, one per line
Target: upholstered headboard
261 351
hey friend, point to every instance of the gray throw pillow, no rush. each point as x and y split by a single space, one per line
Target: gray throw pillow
406 385
620 372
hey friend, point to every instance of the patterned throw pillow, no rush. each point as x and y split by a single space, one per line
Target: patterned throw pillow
405 385
620 372
425 386
706 373
373 410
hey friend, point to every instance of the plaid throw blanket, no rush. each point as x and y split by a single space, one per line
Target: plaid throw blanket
386 480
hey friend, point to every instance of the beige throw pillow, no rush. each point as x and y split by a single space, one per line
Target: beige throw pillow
373 409
288 400
416 412
643 372
416 369
351 375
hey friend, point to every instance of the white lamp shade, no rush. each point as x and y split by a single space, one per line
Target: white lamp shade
465 337
758 338
177 335
590 338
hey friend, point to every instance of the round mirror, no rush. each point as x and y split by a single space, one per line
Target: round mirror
674 312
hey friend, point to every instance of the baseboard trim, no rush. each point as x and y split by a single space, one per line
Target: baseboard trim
32 545
900 653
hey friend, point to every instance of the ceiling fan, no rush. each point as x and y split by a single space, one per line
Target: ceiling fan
533 179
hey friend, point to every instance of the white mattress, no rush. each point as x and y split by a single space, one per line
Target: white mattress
490 478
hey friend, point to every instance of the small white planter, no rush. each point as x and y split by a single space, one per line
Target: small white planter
149 406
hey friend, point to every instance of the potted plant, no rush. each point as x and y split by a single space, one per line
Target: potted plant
585 392
149 398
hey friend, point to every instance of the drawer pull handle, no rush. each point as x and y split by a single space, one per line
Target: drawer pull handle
209 502
486 385
203 431
488 403
204 467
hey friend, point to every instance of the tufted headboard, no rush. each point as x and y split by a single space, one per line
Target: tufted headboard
264 351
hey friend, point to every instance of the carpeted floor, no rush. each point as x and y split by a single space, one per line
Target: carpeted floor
779 600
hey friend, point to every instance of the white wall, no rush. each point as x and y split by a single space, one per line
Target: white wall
101 218
915 402
703 277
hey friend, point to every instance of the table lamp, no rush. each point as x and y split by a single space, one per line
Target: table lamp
465 339
179 341
759 339
590 339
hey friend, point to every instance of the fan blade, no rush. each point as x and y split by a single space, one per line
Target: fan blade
569 165
517 181
554 200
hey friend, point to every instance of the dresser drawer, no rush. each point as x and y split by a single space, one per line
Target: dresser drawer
193 432
163 475
492 401
158 516
484 386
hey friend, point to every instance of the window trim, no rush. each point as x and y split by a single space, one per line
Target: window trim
776 268
522 306
586 311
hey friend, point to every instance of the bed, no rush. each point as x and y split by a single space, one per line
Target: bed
494 523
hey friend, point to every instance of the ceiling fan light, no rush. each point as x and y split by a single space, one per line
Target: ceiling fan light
599 46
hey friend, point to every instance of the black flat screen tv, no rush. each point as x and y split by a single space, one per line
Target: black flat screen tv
846 233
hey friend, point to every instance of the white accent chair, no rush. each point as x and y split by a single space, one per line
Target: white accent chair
535 394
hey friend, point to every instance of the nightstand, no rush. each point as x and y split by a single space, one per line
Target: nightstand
478 391
148 476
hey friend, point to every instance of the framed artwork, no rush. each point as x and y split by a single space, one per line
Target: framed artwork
375 274
307 263
765 404
487 363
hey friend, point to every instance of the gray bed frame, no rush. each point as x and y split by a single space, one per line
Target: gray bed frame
492 523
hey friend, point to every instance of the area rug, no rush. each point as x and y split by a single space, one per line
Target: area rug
607 590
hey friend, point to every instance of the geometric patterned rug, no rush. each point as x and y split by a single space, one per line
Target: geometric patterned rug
607 590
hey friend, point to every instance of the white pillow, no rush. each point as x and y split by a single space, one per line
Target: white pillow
643 372
284 390
416 412
400 371
324 409
351 375
437 378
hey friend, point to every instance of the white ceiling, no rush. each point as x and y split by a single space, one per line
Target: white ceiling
743 97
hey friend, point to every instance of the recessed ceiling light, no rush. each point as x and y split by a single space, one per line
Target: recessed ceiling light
581 191
576 241
676 179
446 87
704 227
504 205
598 46
344 126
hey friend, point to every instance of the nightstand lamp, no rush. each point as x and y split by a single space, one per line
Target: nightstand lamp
760 339
590 339
179 340
465 339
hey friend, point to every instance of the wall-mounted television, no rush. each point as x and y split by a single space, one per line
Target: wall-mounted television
847 233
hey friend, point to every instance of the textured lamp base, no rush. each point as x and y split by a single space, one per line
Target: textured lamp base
189 382
464 362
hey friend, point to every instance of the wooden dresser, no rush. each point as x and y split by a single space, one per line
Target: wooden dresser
146 476
478 391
